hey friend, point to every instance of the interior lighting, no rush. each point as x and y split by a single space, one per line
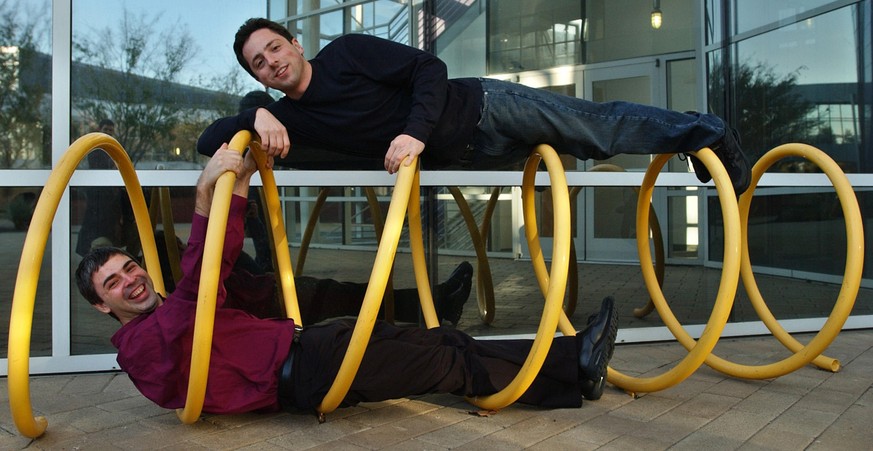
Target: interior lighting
656 15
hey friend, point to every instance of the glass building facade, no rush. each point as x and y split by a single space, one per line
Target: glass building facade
158 73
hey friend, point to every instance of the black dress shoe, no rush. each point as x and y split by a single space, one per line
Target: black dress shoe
454 292
596 346
732 157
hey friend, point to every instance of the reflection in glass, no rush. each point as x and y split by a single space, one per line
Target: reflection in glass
786 92
25 84
712 27
384 18
615 30
682 233
751 14
797 246
16 211
152 69
799 230
527 35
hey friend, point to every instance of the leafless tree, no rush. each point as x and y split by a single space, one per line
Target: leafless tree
25 122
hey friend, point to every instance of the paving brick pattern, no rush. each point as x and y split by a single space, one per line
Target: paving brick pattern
807 409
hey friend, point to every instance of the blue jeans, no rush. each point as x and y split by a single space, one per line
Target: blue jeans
515 118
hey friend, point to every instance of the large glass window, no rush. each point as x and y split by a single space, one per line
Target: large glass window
751 14
526 35
798 74
785 90
25 84
25 143
15 217
616 30
161 71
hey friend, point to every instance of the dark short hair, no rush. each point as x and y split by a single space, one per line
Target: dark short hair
246 29
106 122
92 262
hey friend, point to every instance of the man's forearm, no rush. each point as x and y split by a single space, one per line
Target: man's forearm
222 130
203 199
241 187
206 192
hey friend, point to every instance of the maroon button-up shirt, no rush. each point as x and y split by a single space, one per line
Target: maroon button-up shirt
155 349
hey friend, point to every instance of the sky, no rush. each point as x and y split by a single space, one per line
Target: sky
211 23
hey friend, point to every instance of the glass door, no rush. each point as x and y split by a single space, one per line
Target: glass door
608 227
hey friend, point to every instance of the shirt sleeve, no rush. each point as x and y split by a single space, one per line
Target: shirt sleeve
222 130
188 287
421 74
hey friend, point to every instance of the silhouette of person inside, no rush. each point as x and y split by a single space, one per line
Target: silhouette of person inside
108 217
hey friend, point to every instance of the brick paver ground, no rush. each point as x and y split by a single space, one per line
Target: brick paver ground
806 409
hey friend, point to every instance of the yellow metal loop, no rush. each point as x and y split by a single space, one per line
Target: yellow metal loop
851 279
379 227
419 263
21 318
553 285
802 354
484 284
204 320
277 232
400 200
699 350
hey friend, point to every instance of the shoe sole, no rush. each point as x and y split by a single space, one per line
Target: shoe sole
602 351
592 390
739 161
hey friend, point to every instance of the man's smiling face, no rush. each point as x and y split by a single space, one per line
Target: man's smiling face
276 63
125 289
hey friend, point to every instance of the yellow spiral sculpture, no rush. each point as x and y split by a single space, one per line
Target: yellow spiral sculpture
811 352
405 203
736 231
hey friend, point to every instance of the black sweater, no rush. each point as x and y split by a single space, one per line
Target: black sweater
364 92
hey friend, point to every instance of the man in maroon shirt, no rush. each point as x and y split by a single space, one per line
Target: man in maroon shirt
267 364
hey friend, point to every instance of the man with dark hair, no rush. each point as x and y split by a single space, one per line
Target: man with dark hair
379 100
265 365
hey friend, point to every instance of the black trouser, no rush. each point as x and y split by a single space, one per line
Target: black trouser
402 362
318 299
